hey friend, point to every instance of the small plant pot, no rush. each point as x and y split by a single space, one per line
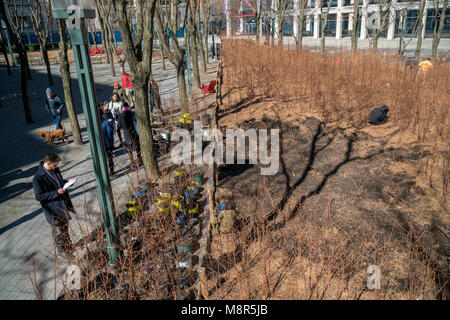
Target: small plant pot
190 193
180 218
131 204
198 180
178 202
164 206
193 210
184 248
185 262
133 211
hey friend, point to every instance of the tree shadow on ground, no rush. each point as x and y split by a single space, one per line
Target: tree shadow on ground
224 262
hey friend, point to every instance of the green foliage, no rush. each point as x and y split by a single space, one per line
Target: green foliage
33 47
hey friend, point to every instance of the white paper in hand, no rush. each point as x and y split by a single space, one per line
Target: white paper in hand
71 182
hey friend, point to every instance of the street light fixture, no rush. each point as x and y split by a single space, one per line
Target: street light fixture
60 7
76 11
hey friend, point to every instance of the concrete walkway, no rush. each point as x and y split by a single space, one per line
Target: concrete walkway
27 263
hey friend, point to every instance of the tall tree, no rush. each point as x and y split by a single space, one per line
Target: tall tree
176 56
138 51
200 46
282 7
42 27
67 83
437 34
5 54
91 28
355 22
384 8
13 21
15 12
422 11
104 8
105 15
194 30
324 24
301 23
206 25
258 19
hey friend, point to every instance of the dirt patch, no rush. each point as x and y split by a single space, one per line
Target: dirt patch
342 200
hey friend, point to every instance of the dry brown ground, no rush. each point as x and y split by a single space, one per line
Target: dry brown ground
348 195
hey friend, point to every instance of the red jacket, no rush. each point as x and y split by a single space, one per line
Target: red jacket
126 83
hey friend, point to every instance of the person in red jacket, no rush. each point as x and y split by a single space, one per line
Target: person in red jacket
127 86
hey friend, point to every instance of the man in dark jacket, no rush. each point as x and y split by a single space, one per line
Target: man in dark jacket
55 201
108 139
54 105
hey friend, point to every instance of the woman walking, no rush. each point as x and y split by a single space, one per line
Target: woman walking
115 106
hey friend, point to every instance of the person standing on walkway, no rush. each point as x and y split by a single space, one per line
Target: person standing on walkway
131 138
108 139
213 51
155 97
115 106
55 201
127 87
54 105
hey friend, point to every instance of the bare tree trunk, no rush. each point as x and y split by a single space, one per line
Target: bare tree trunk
355 26
205 35
324 24
199 34
163 60
5 54
109 52
258 19
419 30
41 29
193 37
437 35
301 22
25 73
67 84
44 54
176 56
377 33
181 81
138 52
194 56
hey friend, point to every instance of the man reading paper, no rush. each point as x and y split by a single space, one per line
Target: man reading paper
49 190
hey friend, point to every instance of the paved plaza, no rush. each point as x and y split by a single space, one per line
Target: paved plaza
27 263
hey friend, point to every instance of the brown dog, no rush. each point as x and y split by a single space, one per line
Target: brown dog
54 134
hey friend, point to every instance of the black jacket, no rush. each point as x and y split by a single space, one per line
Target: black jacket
379 115
126 122
53 204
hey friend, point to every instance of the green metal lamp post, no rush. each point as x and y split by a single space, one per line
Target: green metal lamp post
75 11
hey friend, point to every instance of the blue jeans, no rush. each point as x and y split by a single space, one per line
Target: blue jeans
57 121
